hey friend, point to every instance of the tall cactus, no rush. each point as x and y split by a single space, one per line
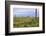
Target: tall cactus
35 13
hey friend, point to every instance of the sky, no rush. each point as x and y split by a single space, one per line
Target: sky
19 12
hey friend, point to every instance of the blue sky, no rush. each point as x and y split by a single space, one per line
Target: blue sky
24 12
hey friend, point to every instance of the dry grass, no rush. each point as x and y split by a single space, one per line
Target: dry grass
26 22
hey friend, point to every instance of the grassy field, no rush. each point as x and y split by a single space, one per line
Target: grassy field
25 22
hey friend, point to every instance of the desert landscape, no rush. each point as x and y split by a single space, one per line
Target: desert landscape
26 22
25 18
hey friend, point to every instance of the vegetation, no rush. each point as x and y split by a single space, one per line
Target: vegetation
25 22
